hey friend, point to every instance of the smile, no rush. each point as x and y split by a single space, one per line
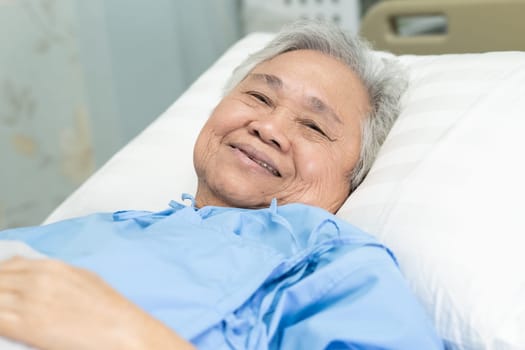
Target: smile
257 158
265 165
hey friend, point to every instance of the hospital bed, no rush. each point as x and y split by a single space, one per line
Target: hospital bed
446 192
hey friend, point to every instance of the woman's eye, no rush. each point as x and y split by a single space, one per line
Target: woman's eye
260 97
314 127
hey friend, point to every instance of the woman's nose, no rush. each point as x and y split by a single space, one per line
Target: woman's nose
273 129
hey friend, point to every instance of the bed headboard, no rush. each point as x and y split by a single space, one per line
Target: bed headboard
459 26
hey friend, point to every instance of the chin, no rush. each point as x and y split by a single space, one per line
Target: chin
242 195
247 202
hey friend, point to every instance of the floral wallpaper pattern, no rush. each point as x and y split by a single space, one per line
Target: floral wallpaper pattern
45 135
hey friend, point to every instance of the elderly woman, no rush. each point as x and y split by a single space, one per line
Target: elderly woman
257 260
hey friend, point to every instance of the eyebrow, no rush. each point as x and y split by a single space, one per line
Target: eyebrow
314 103
269 79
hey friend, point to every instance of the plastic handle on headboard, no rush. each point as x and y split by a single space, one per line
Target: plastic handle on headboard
468 26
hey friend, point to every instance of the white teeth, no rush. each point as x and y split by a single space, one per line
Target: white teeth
266 166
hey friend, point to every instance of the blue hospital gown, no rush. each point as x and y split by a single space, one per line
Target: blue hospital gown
284 277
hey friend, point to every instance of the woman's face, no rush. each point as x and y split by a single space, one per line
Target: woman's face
291 130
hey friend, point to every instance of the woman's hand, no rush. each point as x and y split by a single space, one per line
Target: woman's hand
50 305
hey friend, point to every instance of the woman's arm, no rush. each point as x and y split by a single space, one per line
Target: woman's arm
50 305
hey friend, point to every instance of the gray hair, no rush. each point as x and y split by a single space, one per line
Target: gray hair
383 78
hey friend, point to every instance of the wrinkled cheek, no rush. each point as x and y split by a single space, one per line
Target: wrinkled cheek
312 169
203 152
323 175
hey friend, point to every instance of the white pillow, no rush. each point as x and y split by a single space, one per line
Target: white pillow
445 193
